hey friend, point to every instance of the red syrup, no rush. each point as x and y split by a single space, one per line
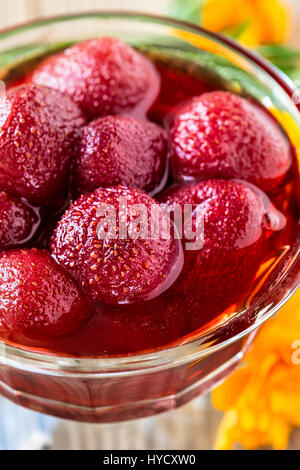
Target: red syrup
173 316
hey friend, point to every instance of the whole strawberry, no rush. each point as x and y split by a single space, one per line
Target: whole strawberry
18 222
37 127
105 242
221 135
37 298
235 218
104 76
120 150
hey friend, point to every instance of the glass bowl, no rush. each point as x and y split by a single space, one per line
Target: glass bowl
129 387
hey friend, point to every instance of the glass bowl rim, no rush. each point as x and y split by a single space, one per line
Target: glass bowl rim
32 360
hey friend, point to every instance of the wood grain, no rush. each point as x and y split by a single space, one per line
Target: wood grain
191 427
17 11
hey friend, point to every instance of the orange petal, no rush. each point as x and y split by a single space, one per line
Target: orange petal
225 395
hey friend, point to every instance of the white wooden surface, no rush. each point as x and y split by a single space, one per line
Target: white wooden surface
193 426
16 11
190 427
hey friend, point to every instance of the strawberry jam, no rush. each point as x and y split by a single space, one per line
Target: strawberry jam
140 294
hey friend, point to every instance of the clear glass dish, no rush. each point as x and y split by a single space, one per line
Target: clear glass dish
129 387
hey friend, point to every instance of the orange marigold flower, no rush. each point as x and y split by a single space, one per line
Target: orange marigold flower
262 21
262 398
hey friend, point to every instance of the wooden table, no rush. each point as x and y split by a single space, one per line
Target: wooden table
193 426
17 11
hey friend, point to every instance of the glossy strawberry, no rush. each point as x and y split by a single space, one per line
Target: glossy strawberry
235 218
104 76
120 150
102 241
37 297
36 142
18 222
220 134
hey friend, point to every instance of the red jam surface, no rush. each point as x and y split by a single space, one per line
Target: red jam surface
209 288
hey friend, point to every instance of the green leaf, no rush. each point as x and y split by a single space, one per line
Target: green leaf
237 30
15 61
280 55
292 72
30 51
284 57
187 10
279 51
